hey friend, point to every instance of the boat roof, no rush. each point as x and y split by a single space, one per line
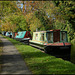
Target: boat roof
56 30
21 31
39 32
21 34
49 31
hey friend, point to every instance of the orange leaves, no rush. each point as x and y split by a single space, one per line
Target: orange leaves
8 27
28 17
4 28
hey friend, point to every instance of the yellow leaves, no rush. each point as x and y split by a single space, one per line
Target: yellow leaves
69 2
67 9
0 21
60 3
23 8
73 15
28 16
4 28
8 27
33 22
51 4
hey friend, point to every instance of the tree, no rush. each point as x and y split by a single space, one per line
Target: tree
12 17
67 11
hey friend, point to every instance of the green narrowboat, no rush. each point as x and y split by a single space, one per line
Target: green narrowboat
23 36
51 41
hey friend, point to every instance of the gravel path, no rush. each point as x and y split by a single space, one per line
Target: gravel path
12 60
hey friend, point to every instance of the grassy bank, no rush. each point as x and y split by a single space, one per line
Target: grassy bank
1 45
41 63
73 51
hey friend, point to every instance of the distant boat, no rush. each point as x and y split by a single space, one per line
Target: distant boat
14 34
51 41
3 32
23 36
8 34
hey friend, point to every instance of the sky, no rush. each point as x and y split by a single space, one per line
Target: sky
21 5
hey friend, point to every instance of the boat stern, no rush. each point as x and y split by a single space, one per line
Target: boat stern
58 48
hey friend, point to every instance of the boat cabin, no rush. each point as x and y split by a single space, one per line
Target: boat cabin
56 36
50 36
14 34
23 35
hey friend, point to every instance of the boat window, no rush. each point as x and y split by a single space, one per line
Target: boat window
36 37
42 37
63 36
49 37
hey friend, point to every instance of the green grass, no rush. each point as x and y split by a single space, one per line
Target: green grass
41 63
1 45
73 51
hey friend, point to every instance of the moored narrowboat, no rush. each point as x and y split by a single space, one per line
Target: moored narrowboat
51 41
4 33
23 36
14 34
8 34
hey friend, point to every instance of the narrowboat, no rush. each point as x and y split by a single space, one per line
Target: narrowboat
14 34
8 34
51 41
3 33
23 36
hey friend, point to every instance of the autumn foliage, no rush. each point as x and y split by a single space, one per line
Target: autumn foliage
40 15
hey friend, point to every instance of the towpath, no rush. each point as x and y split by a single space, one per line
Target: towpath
12 60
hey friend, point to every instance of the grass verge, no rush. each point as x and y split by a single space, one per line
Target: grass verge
73 51
41 63
1 46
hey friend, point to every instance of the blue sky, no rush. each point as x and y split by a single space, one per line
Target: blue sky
21 5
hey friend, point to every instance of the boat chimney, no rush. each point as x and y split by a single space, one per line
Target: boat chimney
36 29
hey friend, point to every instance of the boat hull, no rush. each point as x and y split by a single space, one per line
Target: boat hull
53 50
24 40
62 50
40 46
